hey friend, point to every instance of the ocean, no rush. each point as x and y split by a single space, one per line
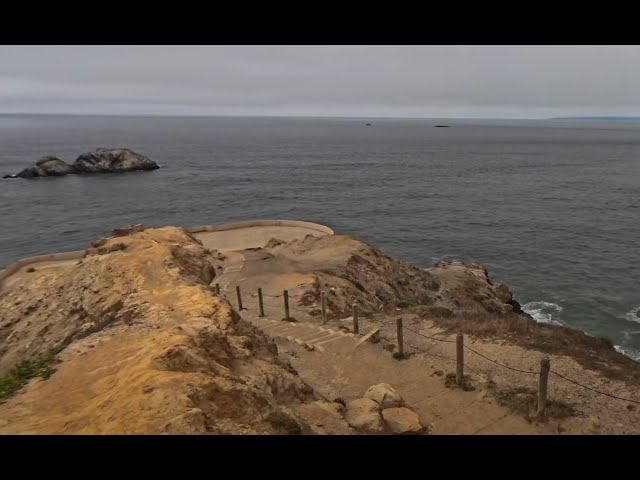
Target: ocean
550 207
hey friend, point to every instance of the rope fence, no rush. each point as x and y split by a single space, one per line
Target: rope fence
543 374
594 390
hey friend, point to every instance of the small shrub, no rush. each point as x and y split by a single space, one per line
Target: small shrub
21 373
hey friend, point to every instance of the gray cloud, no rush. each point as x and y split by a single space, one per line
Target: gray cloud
439 81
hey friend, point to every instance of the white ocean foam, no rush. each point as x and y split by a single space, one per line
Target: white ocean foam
634 354
633 315
543 312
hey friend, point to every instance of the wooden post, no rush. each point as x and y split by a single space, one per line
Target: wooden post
286 304
356 327
545 366
400 339
218 288
324 310
239 297
459 359
260 302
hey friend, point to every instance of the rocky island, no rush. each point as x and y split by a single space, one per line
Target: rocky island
143 332
103 160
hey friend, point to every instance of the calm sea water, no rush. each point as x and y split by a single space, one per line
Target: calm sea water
550 207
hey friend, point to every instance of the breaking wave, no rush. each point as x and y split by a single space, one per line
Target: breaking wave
634 354
633 315
543 312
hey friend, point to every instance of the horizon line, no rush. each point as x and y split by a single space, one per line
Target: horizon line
196 115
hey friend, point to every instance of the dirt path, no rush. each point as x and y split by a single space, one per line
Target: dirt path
339 369
421 377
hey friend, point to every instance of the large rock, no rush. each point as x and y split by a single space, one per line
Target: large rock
384 395
402 421
363 414
103 160
46 167
107 160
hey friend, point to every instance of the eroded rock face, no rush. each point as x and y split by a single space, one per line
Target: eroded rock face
350 271
147 348
103 160
108 160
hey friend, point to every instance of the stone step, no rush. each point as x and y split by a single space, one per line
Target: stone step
339 332
283 332
320 340
300 342
333 338
272 328
316 335
301 327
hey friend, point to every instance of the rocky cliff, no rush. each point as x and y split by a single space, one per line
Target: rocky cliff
145 347
350 271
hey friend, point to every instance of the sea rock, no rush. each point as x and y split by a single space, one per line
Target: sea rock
517 308
363 414
45 167
107 160
384 395
402 421
103 160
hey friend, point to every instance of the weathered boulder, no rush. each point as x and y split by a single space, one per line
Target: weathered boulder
384 395
108 160
402 421
45 167
363 414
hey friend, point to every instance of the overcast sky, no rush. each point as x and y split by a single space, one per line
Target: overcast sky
413 81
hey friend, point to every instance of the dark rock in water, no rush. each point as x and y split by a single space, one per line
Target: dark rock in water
103 160
368 124
46 167
107 160
441 126
517 308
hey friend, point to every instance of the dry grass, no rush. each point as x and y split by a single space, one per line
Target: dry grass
594 353
467 384
525 401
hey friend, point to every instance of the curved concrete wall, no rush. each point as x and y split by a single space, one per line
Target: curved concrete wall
14 267
261 223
